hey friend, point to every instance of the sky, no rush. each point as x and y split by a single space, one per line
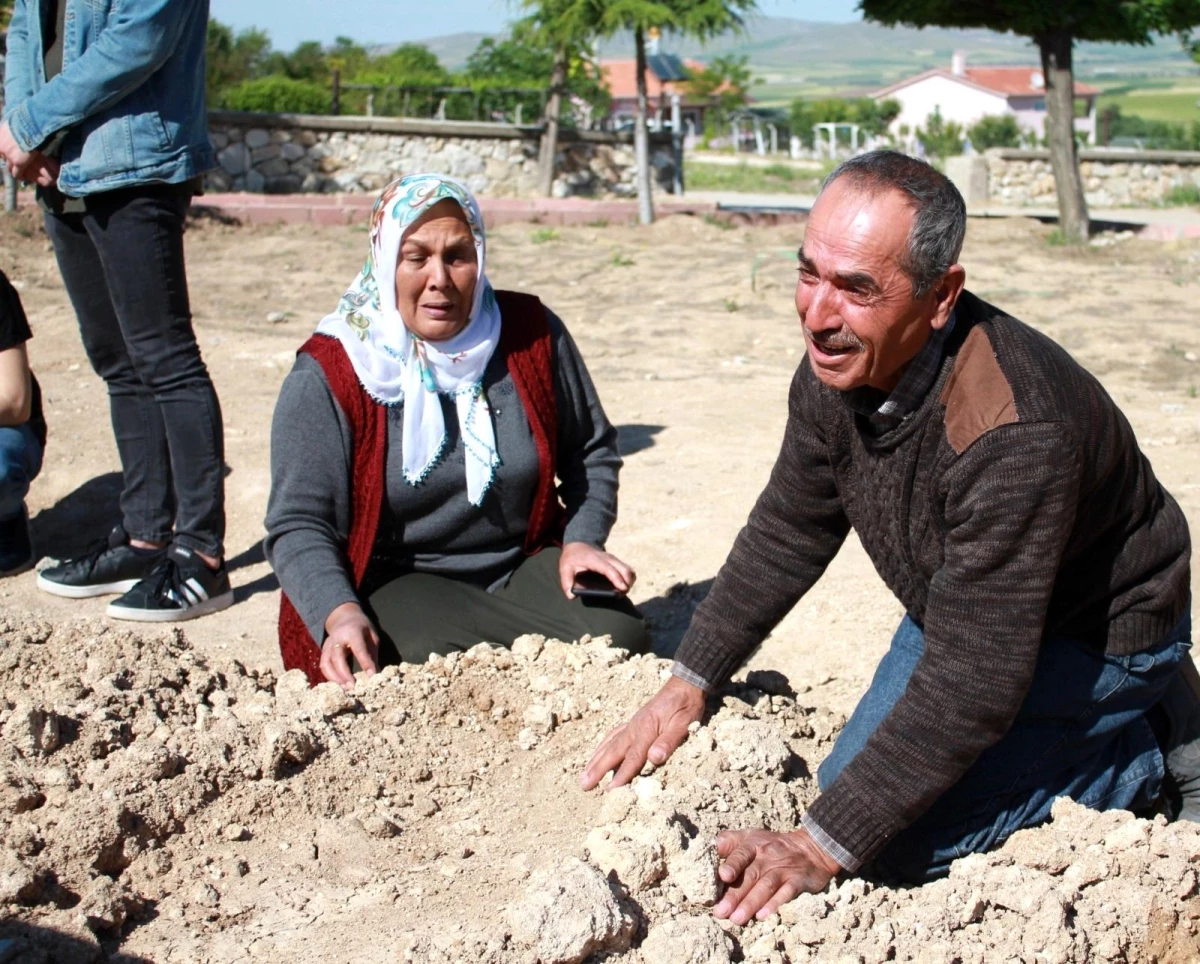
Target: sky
396 21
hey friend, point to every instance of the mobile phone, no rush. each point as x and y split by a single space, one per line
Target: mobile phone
595 585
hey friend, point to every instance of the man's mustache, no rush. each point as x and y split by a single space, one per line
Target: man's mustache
842 338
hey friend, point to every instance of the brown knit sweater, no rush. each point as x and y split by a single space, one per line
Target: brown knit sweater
1012 506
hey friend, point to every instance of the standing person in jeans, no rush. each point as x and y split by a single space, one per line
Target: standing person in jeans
106 113
22 433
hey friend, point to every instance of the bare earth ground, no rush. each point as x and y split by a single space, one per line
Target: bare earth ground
183 807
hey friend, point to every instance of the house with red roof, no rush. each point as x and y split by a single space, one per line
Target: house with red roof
965 94
666 75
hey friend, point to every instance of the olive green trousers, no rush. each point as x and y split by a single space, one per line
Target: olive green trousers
419 614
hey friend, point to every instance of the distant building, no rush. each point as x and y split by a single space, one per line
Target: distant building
965 94
666 75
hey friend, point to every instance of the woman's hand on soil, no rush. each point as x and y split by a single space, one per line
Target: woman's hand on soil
579 557
653 733
348 632
763 870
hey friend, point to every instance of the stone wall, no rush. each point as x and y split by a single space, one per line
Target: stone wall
292 153
1110 178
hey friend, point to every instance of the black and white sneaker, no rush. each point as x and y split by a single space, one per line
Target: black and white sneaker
181 586
111 566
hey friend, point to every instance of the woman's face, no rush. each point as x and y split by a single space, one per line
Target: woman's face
437 273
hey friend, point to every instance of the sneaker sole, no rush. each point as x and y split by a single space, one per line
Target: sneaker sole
216 604
84 592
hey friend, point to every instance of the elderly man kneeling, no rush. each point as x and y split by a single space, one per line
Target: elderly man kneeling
1002 497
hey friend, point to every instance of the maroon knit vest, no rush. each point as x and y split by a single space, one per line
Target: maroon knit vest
526 349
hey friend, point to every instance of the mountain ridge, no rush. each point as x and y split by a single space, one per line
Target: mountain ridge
791 53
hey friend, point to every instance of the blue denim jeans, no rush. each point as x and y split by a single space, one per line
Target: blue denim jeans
1081 733
20 462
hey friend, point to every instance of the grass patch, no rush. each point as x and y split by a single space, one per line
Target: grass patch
717 221
542 235
619 260
746 179
731 305
1175 105
1056 239
1185 195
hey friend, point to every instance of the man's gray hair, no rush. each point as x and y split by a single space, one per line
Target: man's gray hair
940 224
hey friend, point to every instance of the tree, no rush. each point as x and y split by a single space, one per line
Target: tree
412 60
566 28
234 58
1054 27
306 62
874 118
998 130
702 19
724 84
940 138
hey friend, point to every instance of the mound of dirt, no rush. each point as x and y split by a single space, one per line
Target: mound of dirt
164 807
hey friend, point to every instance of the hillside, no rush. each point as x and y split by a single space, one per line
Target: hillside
798 57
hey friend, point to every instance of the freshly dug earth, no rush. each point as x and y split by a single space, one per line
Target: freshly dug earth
155 779
159 805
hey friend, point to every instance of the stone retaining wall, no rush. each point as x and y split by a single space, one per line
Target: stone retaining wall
293 153
1110 178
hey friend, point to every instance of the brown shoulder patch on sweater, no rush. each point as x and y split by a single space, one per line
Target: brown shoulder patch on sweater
977 395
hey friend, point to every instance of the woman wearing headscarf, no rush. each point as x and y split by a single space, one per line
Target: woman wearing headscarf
442 471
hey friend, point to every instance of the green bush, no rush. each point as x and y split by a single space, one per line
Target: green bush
873 118
277 95
1185 195
996 131
940 138
1130 129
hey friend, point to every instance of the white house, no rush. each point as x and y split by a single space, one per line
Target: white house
965 94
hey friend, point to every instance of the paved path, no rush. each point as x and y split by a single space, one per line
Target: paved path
1159 224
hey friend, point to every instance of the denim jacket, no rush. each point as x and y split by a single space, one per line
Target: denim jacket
130 97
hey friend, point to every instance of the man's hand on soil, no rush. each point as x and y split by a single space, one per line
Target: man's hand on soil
348 632
763 870
653 733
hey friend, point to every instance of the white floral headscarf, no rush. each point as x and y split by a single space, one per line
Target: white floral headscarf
395 366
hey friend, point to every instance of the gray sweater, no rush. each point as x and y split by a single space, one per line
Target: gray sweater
430 527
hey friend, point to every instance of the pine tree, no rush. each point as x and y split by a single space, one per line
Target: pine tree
569 26
1055 28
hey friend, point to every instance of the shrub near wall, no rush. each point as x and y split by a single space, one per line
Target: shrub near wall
277 95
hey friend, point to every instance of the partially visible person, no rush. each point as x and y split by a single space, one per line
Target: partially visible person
106 113
442 471
22 432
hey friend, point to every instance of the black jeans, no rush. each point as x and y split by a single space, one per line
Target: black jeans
123 266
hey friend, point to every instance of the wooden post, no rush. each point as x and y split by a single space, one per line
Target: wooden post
336 100
641 136
548 148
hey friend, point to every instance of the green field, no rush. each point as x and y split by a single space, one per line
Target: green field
747 179
1176 104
